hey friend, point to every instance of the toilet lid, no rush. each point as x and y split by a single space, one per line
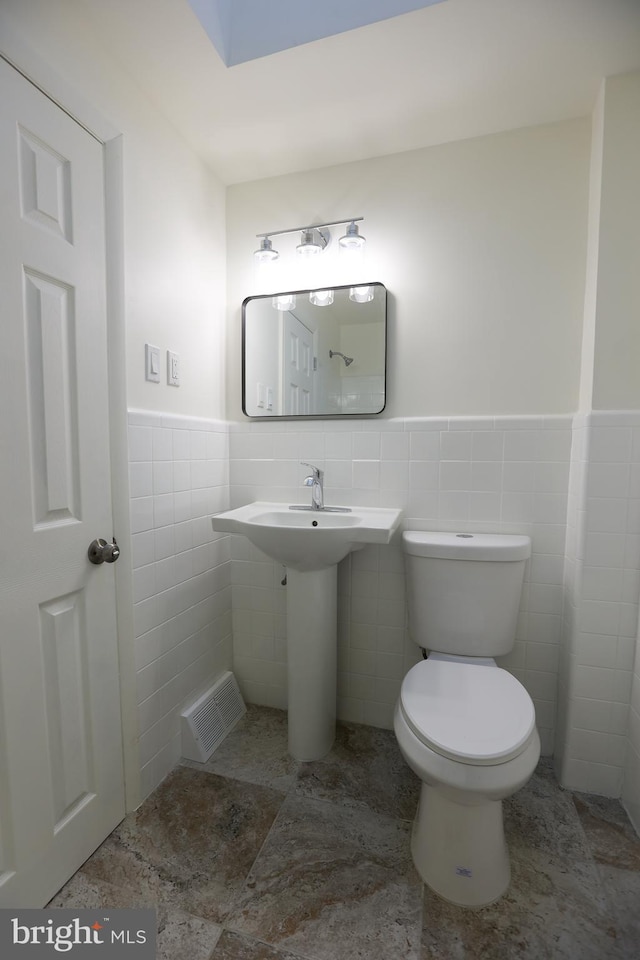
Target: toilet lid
474 713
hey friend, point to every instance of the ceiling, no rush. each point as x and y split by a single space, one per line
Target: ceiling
447 71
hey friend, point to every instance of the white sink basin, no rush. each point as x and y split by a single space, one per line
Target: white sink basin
307 540
310 543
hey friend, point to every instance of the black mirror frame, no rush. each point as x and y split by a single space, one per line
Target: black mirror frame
316 416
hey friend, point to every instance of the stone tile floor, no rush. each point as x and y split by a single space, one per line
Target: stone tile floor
253 856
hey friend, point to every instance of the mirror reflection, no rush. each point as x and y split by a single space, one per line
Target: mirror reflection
315 352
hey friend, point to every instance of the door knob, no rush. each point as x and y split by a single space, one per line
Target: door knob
102 552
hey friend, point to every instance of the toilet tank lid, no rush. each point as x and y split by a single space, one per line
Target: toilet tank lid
466 546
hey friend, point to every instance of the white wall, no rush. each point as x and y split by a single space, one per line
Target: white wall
631 789
598 741
488 315
264 360
611 339
593 241
481 244
365 343
173 265
617 333
174 208
178 469
616 379
602 583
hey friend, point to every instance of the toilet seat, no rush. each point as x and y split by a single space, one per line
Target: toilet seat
475 713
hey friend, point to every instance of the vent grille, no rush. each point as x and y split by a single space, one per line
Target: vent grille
207 722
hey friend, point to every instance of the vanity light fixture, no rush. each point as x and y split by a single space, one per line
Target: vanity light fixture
313 239
361 294
285 301
321 298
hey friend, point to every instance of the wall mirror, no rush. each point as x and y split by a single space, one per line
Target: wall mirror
320 353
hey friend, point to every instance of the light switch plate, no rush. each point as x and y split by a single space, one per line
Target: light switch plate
152 363
173 369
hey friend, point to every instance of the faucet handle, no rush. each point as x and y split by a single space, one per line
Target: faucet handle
317 472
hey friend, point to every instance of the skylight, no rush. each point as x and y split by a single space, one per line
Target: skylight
244 30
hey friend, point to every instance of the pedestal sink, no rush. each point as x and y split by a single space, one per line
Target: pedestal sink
310 543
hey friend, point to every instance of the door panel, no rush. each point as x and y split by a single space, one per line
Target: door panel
61 777
52 398
298 367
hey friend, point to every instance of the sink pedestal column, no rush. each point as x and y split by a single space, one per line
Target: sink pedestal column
312 656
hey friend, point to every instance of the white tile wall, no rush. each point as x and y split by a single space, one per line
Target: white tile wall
506 474
572 484
631 789
359 394
600 619
178 472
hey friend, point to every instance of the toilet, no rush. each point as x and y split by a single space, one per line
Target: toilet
464 725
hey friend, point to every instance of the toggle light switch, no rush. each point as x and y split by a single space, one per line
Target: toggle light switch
152 363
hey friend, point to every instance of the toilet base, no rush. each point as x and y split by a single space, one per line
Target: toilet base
459 849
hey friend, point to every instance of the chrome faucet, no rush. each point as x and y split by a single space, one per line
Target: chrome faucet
315 482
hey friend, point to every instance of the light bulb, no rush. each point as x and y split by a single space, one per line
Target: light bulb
265 253
285 301
321 298
361 294
309 245
352 239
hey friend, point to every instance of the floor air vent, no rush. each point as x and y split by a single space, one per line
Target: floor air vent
206 722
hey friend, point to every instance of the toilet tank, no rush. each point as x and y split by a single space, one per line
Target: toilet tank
464 590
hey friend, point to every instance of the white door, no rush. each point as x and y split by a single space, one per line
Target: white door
61 772
297 366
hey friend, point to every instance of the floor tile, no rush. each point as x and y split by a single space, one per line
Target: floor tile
192 843
333 882
185 937
255 857
543 817
622 890
180 936
616 851
256 751
364 769
543 916
609 832
84 893
237 946
554 907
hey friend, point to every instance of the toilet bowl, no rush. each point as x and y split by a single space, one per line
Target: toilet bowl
450 723
464 725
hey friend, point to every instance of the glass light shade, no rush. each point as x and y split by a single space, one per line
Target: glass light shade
309 244
352 239
285 302
321 298
265 253
361 294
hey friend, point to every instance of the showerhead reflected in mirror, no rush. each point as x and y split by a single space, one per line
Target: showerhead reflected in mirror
336 353
315 352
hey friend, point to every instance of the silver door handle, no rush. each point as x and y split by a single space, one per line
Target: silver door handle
102 552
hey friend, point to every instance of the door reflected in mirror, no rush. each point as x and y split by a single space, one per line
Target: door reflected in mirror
319 353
